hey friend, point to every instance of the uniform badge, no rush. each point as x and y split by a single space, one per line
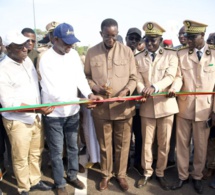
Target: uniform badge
160 51
188 24
190 51
208 52
150 26
146 53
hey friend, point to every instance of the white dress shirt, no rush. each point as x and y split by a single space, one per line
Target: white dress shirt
62 76
18 84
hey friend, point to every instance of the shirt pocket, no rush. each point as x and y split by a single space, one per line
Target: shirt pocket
161 71
209 69
120 68
97 69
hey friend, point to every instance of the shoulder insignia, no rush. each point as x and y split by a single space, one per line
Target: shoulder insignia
211 46
172 49
146 53
181 48
208 52
161 51
139 52
190 52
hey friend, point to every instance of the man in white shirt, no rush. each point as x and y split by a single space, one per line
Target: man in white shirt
62 74
19 86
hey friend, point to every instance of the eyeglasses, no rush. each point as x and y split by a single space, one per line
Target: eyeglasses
134 38
191 36
114 37
31 40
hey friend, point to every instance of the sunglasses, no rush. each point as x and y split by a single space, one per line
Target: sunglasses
191 36
130 38
114 37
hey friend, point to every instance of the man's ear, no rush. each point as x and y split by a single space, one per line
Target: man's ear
55 38
100 33
161 39
203 34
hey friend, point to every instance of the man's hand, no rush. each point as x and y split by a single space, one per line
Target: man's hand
148 91
142 100
93 104
102 90
46 110
124 92
171 93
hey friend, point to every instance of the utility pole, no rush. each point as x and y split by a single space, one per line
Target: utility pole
34 23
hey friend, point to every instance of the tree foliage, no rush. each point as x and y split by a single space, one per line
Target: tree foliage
82 50
40 32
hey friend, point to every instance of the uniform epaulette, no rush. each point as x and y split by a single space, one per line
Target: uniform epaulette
185 47
139 52
211 47
172 49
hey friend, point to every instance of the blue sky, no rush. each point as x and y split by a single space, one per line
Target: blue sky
86 15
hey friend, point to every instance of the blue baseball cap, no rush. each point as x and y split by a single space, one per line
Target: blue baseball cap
65 32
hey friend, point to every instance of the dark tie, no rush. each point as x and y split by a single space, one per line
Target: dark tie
199 54
153 56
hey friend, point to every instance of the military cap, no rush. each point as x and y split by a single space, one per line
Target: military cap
51 26
152 28
194 27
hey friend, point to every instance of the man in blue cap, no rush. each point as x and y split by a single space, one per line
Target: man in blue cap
61 75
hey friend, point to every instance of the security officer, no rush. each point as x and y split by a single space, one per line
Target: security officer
133 38
156 69
196 73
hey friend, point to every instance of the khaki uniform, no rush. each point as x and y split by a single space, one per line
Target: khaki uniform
116 68
194 76
156 113
33 55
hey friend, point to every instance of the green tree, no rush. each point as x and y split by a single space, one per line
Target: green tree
40 32
81 50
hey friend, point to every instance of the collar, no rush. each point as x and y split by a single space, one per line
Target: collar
202 50
107 50
14 62
159 50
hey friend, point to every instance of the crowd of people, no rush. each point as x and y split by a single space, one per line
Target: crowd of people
171 120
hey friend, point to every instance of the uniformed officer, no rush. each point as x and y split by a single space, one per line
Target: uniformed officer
196 73
156 68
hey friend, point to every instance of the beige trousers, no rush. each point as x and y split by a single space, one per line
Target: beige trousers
163 128
27 143
118 131
185 130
